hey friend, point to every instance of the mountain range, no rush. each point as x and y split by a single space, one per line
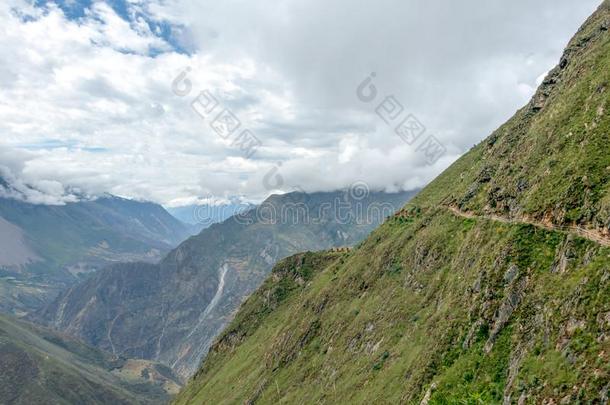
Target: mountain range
491 286
170 312
46 248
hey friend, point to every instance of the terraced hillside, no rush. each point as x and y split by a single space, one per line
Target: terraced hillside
481 290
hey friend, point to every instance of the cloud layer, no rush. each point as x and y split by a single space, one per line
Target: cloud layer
87 101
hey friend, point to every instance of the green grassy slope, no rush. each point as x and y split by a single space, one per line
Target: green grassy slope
38 366
550 161
441 309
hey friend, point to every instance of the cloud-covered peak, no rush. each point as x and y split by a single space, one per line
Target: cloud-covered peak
38 191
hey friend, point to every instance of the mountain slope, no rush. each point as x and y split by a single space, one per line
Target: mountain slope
50 246
171 312
38 366
481 290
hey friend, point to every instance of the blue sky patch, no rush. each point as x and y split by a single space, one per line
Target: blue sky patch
50 144
173 34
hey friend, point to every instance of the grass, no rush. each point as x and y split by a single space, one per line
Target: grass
355 332
42 367
469 311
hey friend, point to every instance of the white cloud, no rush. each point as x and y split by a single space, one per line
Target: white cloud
88 102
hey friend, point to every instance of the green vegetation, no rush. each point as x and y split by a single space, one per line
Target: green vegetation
442 309
551 159
168 300
38 366
357 333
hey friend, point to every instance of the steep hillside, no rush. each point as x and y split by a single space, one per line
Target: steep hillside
38 366
491 286
171 312
47 248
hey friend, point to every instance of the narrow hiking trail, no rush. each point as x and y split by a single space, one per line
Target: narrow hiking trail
589 234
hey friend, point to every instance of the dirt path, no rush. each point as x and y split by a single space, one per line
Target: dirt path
592 235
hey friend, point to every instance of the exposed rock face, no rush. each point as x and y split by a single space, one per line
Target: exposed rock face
513 295
172 311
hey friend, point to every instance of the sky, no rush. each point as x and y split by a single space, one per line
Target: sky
180 101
